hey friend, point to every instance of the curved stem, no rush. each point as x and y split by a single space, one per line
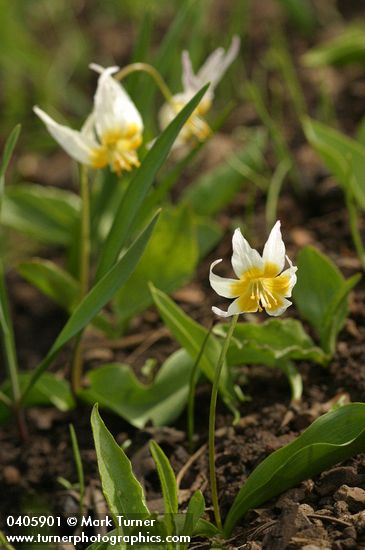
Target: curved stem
76 369
212 414
146 68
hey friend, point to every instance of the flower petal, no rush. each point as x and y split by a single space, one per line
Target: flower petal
279 310
113 108
233 309
222 286
277 289
274 251
88 128
291 274
217 63
99 69
244 257
77 145
189 80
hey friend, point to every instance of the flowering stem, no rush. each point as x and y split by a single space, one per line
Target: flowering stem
76 369
212 415
192 384
354 226
145 67
11 359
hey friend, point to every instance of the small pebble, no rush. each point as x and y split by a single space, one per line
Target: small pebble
306 509
353 496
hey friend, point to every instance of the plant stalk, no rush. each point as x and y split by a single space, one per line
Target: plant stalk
212 416
192 385
146 68
76 369
11 359
354 226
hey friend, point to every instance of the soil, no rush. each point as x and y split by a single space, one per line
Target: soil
321 513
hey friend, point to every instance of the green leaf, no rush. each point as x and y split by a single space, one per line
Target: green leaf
190 336
59 286
43 213
106 545
167 478
168 261
333 320
293 376
274 343
78 464
6 325
269 342
206 529
196 508
52 280
6 156
121 489
343 156
165 58
321 295
348 47
139 186
209 234
97 298
48 390
301 14
214 190
333 437
116 387
5 543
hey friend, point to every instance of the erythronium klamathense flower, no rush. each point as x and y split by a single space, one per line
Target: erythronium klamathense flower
261 283
196 128
111 134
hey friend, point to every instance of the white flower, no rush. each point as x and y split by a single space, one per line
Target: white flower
261 283
111 134
196 128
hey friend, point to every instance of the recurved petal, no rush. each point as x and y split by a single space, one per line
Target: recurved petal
224 287
77 145
291 276
244 257
189 81
217 63
274 250
98 68
233 309
113 107
279 310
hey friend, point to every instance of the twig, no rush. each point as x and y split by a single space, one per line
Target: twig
189 463
329 518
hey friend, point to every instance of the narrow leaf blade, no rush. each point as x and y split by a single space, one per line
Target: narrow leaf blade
97 298
333 437
167 478
139 186
121 489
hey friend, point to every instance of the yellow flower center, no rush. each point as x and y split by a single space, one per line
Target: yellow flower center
195 126
118 149
261 288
